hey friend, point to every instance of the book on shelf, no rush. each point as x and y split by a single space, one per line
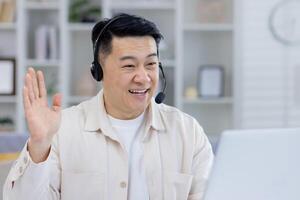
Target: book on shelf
41 43
7 11
52 42
46 43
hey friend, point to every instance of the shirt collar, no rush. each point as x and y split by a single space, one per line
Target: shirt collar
155 117
97 118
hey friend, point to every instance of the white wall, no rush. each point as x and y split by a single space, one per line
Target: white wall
268 71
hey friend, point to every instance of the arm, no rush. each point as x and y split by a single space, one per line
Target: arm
31 176
202 163
34 181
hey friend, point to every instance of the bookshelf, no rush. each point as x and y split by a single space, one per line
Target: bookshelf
8 49
42 5
189 43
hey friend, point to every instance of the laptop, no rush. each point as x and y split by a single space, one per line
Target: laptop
256 165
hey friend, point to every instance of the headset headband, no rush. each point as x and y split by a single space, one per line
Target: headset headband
96 45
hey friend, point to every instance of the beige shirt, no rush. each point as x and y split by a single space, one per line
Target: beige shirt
87 161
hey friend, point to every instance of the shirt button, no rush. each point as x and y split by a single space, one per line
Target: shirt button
123 184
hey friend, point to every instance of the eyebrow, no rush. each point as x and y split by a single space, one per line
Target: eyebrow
134 58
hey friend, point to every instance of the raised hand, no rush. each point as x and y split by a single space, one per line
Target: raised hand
43 121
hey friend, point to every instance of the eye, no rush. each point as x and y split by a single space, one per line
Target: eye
152 63
128 66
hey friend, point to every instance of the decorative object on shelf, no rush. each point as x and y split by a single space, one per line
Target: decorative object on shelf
7 76
212 11
6 124
284 22
83 11
46 43
85 85
211 81
191 92
7 11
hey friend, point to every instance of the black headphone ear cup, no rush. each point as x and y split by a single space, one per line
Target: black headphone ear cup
100 72
97 75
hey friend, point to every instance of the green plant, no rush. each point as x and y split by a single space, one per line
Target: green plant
83 11
6 120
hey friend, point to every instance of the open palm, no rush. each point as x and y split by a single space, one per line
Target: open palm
43 121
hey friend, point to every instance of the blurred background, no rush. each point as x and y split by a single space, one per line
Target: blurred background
232 64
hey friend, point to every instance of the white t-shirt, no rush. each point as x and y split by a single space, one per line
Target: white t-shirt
127 131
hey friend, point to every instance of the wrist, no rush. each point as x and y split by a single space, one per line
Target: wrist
38 151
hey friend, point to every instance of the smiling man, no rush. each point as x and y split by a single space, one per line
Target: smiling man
118 145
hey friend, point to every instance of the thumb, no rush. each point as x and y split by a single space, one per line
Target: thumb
56 101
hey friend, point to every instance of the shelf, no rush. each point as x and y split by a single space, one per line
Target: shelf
207 27
221 100
203 41
8 99
7 26
9 131
42 63
81 26
143 5
46 5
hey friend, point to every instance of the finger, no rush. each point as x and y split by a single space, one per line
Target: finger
34 82
30 89
57 99
42 86
26 101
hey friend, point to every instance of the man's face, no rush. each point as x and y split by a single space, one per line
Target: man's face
130 76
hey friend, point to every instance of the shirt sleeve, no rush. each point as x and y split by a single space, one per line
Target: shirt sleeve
28 180
202 163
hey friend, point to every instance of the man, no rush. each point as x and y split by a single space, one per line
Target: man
118 145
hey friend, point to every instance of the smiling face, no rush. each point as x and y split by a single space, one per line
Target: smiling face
130 76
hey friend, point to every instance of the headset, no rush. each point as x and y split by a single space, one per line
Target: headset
97 71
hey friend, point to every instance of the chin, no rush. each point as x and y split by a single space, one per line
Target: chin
139 106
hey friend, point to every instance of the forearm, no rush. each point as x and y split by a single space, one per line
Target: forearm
28 180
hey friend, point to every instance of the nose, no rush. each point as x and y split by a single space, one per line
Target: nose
142 76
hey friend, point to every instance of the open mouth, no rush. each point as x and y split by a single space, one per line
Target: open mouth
140 92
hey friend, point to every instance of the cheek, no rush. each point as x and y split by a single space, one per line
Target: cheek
155 78
122 85
118 80
124 80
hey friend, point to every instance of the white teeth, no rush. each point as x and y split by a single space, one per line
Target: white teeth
138 91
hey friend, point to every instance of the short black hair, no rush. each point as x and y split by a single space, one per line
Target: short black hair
125 25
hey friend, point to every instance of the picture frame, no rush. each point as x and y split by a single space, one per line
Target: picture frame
7 76
211 81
